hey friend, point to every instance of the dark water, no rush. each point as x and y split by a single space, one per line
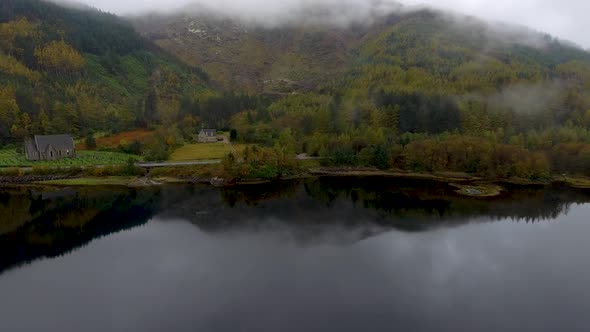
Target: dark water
316 255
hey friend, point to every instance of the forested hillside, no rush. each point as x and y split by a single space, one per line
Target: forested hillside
419 90
415 90
65 70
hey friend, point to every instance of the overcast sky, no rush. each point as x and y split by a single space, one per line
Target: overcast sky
566 19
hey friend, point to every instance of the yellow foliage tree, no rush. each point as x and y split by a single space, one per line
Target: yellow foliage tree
9 111
12 66
58 56
17 28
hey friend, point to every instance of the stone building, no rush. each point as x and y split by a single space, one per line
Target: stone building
208 136
50 147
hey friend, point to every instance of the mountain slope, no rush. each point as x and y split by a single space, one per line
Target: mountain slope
79 70
254 59
423 52
416 89
301 57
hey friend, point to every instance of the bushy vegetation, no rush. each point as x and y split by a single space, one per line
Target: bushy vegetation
188 172
447 152
127 169
426 96
261 163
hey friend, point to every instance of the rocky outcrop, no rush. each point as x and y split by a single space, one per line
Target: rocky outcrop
218 182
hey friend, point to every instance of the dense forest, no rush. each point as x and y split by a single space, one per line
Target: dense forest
81 70
424 95
413 91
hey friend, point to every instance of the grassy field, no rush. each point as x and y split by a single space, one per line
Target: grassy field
91 181
9 158
204 151
576 182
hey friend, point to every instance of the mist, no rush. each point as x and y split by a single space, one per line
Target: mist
566 21
531 99
270 14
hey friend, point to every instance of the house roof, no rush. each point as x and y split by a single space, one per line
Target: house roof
209 132
59 142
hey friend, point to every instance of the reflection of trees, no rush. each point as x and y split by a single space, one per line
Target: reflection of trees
404 204
48 224
391 201
52 227
252 195
524 204
15 210
436 202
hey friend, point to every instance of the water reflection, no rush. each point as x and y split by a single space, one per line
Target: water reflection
38 223
411 198
50 223
171 276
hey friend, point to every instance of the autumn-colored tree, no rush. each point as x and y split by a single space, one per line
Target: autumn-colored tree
10 65
9 112
41 126
23 127
18 28
59 57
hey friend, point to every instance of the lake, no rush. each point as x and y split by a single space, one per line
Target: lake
330 254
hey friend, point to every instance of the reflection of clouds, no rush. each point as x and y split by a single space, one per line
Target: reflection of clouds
172 276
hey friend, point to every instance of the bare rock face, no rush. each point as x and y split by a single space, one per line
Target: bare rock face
218 182
247 57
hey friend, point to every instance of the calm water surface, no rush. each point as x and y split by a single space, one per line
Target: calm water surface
316 255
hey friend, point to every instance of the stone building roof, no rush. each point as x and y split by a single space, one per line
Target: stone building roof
58 142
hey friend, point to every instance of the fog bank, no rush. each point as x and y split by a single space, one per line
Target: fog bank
566 20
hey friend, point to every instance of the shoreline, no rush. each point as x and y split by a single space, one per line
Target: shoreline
465 184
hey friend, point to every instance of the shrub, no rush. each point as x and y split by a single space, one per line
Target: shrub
134 147
74 170
12 171
341 156
90 142
264 163
131 169
156 149
233 135
43 170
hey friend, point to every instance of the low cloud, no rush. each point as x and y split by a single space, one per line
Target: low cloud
271 14
568 20
531 99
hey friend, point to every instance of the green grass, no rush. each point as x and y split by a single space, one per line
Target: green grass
204 151
311 163
576 182
9 158
194 171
